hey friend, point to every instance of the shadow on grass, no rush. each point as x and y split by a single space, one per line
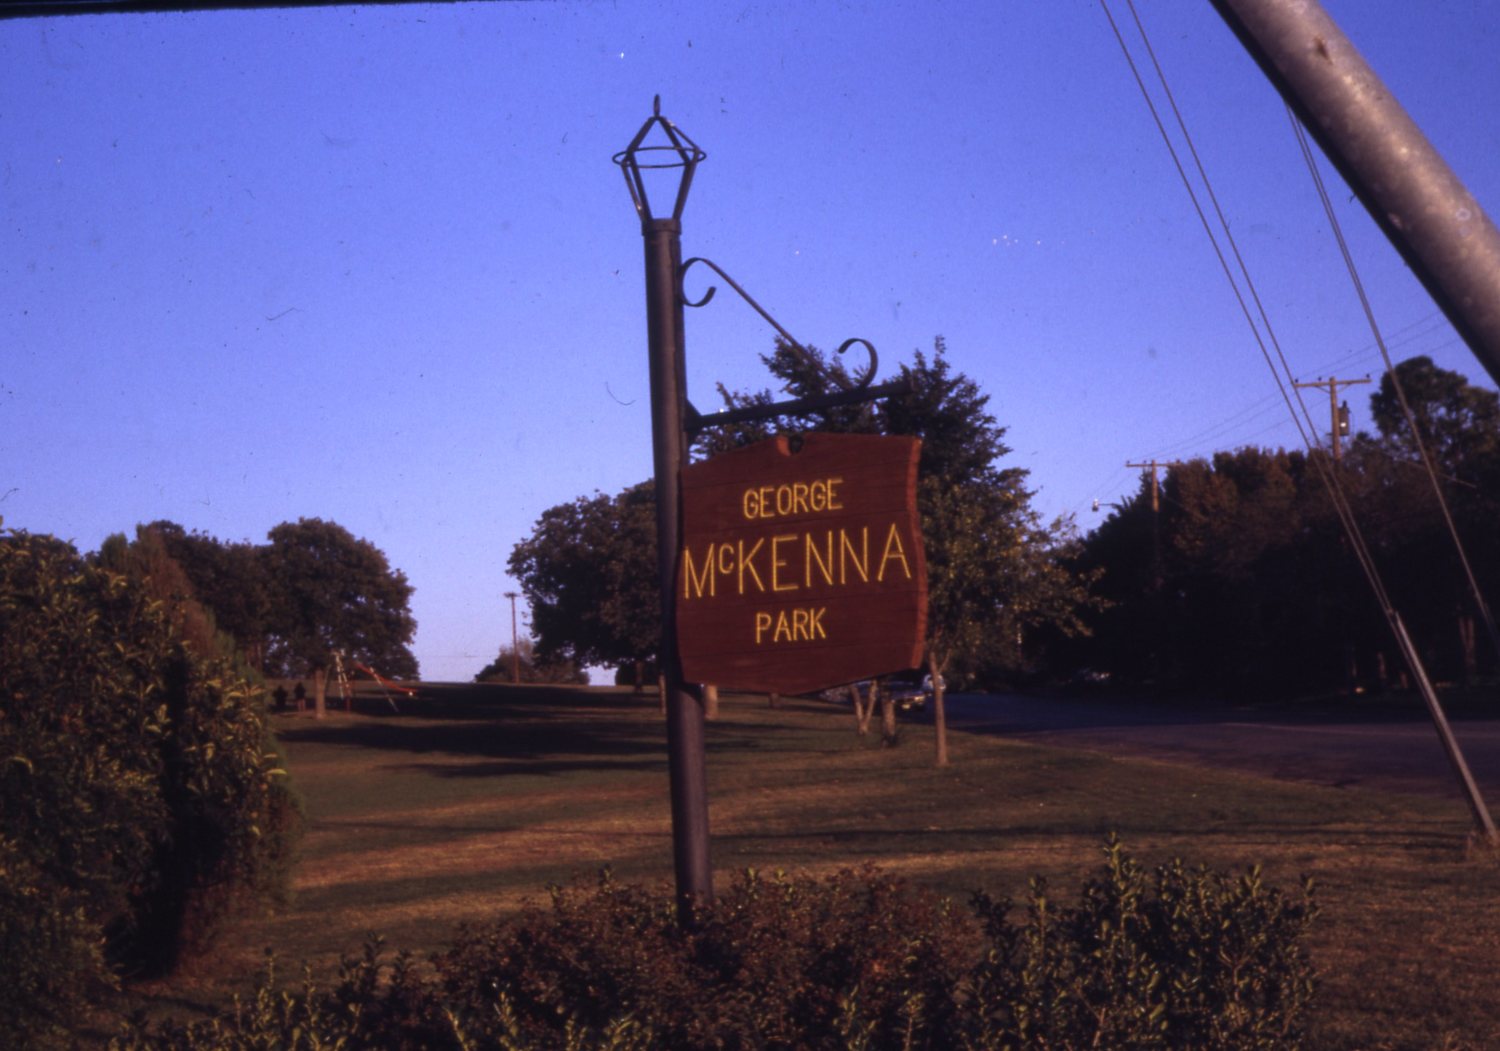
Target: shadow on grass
485 700
499 737
537 730
551 767
530 728
902 842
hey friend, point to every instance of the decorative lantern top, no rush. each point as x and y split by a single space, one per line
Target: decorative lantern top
677 151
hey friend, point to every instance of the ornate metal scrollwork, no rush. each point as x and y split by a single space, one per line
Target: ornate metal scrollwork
860 379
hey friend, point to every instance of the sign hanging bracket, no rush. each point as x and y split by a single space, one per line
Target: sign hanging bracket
850 392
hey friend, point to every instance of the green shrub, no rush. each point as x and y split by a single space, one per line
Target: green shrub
776 962
857 962
138 797
1179 959
371 1005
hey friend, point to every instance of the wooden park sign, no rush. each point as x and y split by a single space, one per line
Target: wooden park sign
801 569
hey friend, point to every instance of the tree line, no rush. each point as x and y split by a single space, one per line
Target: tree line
1243 578
311 591
143 799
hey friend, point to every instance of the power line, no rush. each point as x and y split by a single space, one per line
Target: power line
1411 421
1324 469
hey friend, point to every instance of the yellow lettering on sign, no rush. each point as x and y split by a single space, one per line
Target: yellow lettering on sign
777 563
791 498
861 558
694 584
783 628
893 552
824 559
747 563
832 558
832 500
791 625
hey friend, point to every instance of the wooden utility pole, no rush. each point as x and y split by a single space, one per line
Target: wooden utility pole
1157 574
515 646
1154 466
1338 416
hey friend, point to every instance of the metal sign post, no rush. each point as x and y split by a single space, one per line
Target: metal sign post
663 240
660 151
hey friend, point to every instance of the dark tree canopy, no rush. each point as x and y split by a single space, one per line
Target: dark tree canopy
523 661
995 570
229 578
290 604
588 571
334 593
1245 580
1459 422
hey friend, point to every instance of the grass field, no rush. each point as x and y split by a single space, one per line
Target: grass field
473 799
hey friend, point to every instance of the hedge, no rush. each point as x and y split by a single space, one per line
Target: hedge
141 801
1174 958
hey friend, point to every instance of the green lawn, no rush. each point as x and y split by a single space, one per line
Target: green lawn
474 799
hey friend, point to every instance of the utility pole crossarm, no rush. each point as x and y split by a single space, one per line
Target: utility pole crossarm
1153 466
1336 416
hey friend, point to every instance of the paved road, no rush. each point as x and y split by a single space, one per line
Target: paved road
1387 749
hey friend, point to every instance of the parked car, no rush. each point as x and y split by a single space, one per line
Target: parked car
840 694
906 694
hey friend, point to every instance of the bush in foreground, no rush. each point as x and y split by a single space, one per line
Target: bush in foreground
1178 958
139 802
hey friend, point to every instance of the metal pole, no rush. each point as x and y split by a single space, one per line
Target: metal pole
515 646
1455 754
1407 187
685 717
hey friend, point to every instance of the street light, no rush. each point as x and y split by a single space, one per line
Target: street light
659 152
515 648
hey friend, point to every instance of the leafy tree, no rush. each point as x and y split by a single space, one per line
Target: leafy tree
588 571
995 571
229 579
802 373
148 561
1459 427
532 670
1119 556
335 594
1458 422
1253 584
1236 581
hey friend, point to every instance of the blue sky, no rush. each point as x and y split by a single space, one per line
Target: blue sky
373 264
